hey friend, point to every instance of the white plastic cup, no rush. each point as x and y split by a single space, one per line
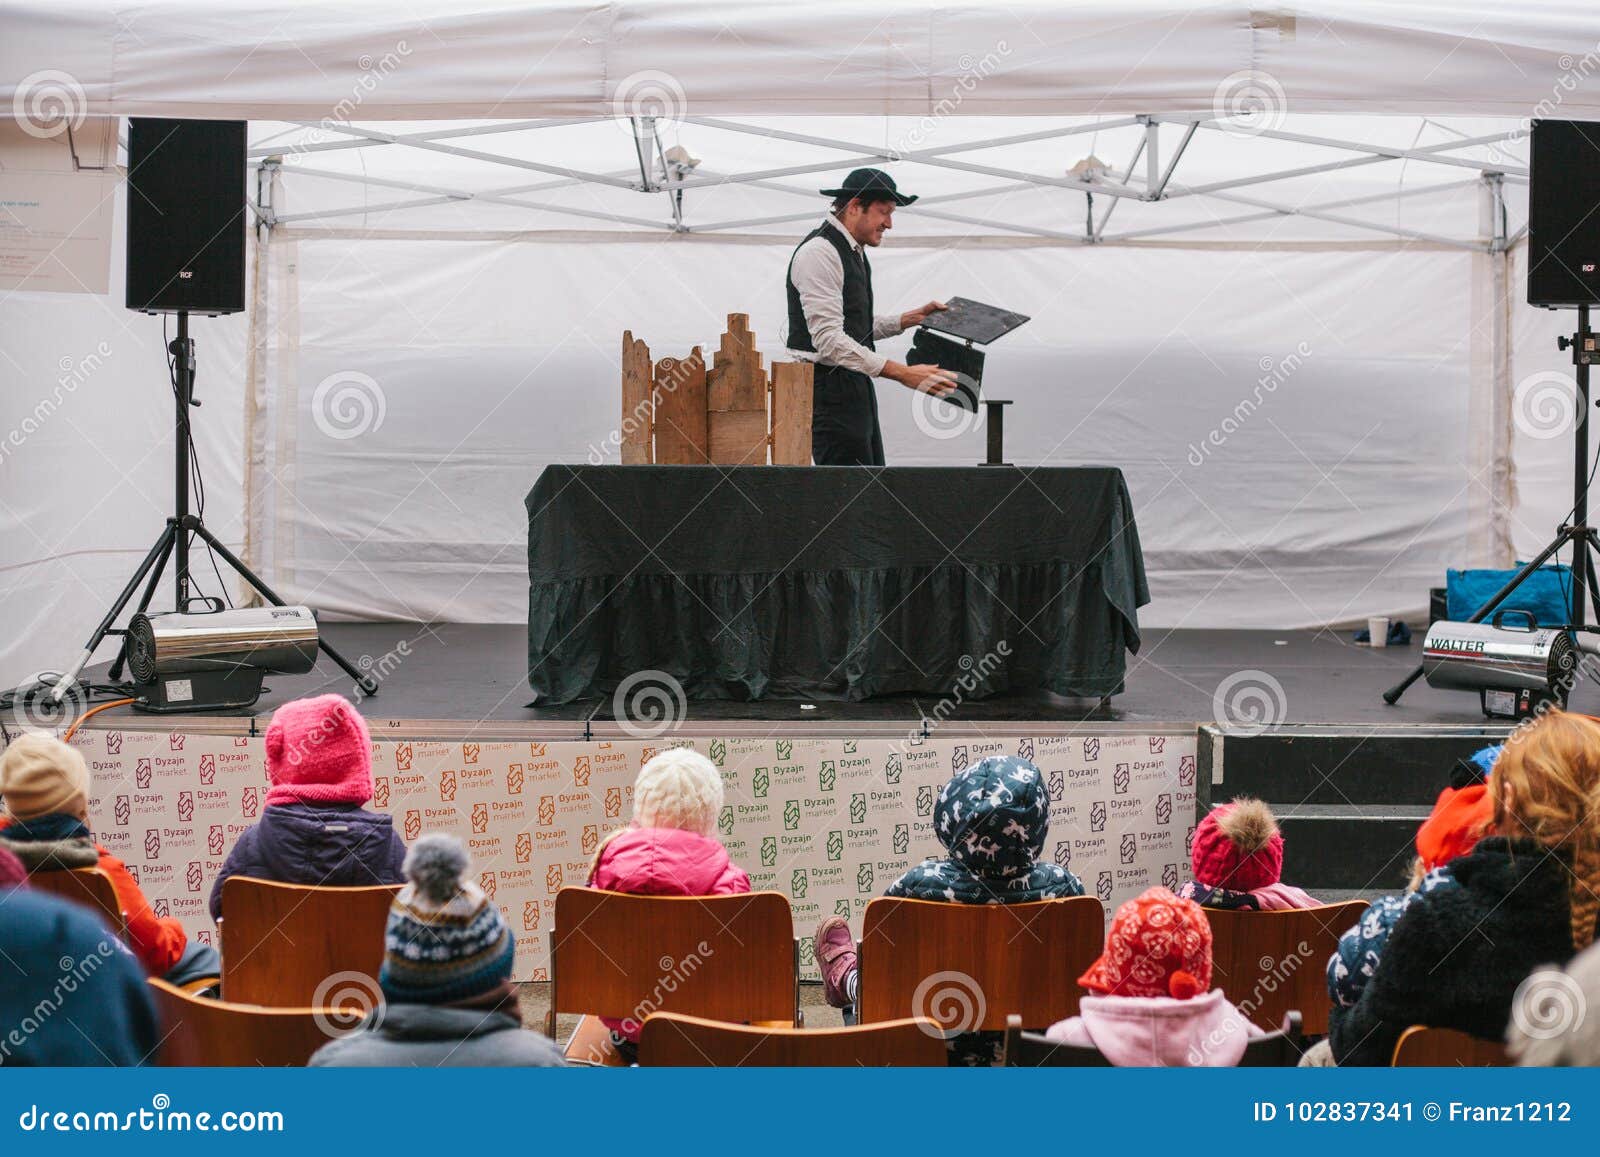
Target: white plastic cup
1378 630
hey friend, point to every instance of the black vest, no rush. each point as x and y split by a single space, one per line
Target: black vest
857 292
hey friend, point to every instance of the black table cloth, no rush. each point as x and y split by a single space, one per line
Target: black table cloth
832 582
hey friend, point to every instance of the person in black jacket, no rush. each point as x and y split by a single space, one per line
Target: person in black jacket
1525 896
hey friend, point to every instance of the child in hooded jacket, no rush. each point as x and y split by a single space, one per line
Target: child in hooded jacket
1237 859
1151 1001
314 829
44 784
668 849
992 818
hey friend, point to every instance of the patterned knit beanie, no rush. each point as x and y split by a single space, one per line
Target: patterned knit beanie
1158 945
446 941
1238 847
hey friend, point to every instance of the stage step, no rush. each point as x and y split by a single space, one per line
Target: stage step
1349 800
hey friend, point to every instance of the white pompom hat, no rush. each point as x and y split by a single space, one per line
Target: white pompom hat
680 788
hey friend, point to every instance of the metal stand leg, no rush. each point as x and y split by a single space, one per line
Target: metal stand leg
367 683
156 558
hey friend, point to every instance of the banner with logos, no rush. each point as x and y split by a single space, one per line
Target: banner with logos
828 822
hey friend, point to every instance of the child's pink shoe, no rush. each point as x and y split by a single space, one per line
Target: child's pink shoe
836 958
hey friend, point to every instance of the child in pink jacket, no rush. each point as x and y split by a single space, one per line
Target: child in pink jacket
1237 858
1152 1003
668 849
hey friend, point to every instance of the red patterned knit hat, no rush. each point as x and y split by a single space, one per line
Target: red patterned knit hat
1238 847
1159 945
319 751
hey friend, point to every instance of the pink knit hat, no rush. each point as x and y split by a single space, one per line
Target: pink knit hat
319 751
1238 846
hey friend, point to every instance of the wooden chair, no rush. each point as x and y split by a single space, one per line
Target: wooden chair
1270 964
90 887
295 946
693 1042
968 966
730 958
217 1033
1423 1047
1027 1050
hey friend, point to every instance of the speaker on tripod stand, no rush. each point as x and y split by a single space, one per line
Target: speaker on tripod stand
1563 273
185 254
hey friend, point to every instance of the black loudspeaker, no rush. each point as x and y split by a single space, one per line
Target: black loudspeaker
186 215
1564 215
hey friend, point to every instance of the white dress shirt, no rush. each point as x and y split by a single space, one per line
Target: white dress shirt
818 276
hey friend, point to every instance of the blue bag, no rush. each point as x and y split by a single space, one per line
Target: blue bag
1546 594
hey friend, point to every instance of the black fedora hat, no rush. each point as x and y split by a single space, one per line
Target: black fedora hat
864 181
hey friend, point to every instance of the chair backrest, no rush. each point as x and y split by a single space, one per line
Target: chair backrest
296 946
731 958
1280 1049
1423 1047
968 966
692 1042
90 887
1270 964
219 1033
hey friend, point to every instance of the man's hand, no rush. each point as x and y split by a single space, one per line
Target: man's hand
925 378
915 317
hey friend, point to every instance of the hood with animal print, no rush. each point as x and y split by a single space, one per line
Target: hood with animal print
992 818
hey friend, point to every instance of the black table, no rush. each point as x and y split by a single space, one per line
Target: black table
832 582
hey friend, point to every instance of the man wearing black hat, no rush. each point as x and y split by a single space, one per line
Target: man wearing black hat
831 322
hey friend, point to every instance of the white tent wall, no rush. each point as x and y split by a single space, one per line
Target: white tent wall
86 461
1303 427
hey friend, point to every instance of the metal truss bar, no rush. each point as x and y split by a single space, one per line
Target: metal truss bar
493 158
381 207
406 138
1160 187
936 157
1127 172
1353 222
492 198
1055 234
1188 226
1423 153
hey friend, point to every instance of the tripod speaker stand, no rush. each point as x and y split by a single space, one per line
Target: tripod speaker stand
1577 533
173 543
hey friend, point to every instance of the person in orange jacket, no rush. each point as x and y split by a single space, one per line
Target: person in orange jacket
44 785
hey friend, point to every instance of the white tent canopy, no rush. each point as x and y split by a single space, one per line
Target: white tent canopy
1287 302
289 61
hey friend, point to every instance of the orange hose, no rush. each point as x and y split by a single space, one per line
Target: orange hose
78 722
